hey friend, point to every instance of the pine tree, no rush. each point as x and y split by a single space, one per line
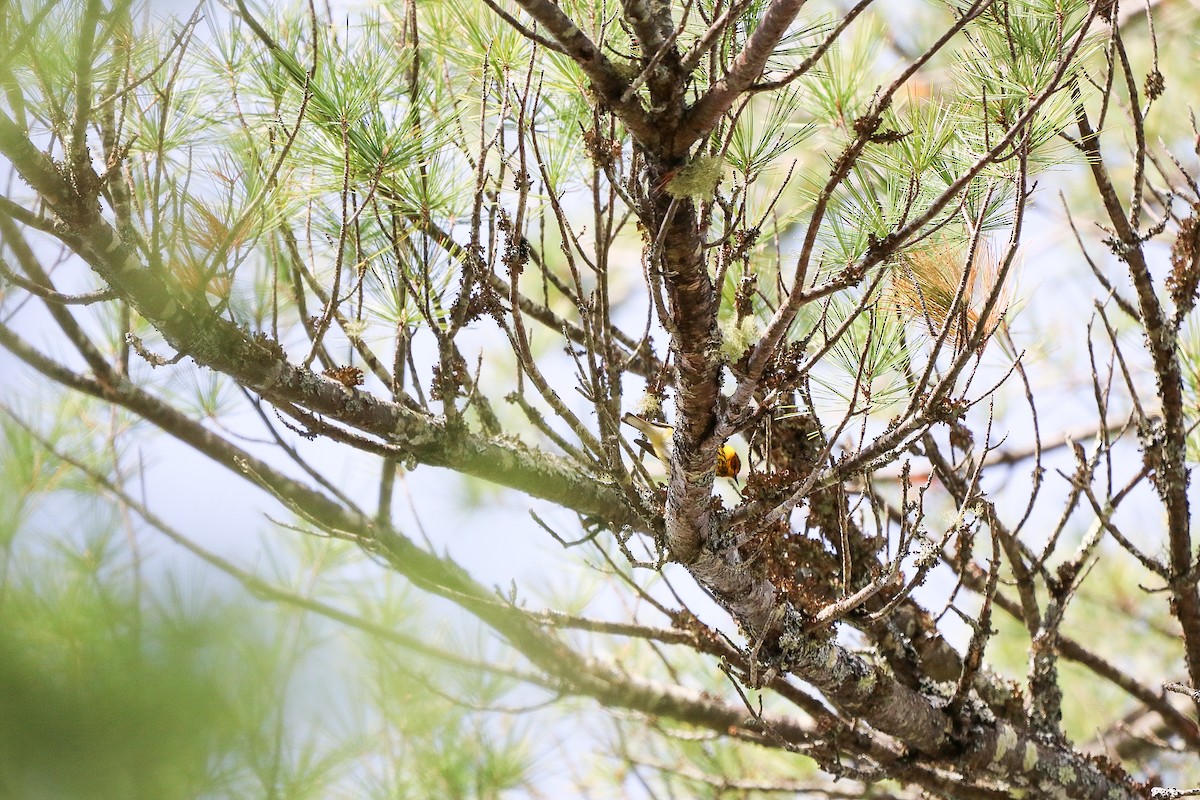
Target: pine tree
889 522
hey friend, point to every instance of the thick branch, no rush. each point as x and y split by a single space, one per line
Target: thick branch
606 80
261 364
747 66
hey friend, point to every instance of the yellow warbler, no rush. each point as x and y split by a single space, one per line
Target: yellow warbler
658 441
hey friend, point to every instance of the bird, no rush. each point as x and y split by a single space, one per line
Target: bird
659 439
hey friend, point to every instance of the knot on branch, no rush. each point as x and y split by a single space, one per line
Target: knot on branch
1184 279
783 373
869 123
1155 85
85 185
265 341
738 247
448 383
518 251
879 247
889 136
1153 438
346 375
604 151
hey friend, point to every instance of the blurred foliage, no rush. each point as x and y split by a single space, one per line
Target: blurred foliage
123 675
101 698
